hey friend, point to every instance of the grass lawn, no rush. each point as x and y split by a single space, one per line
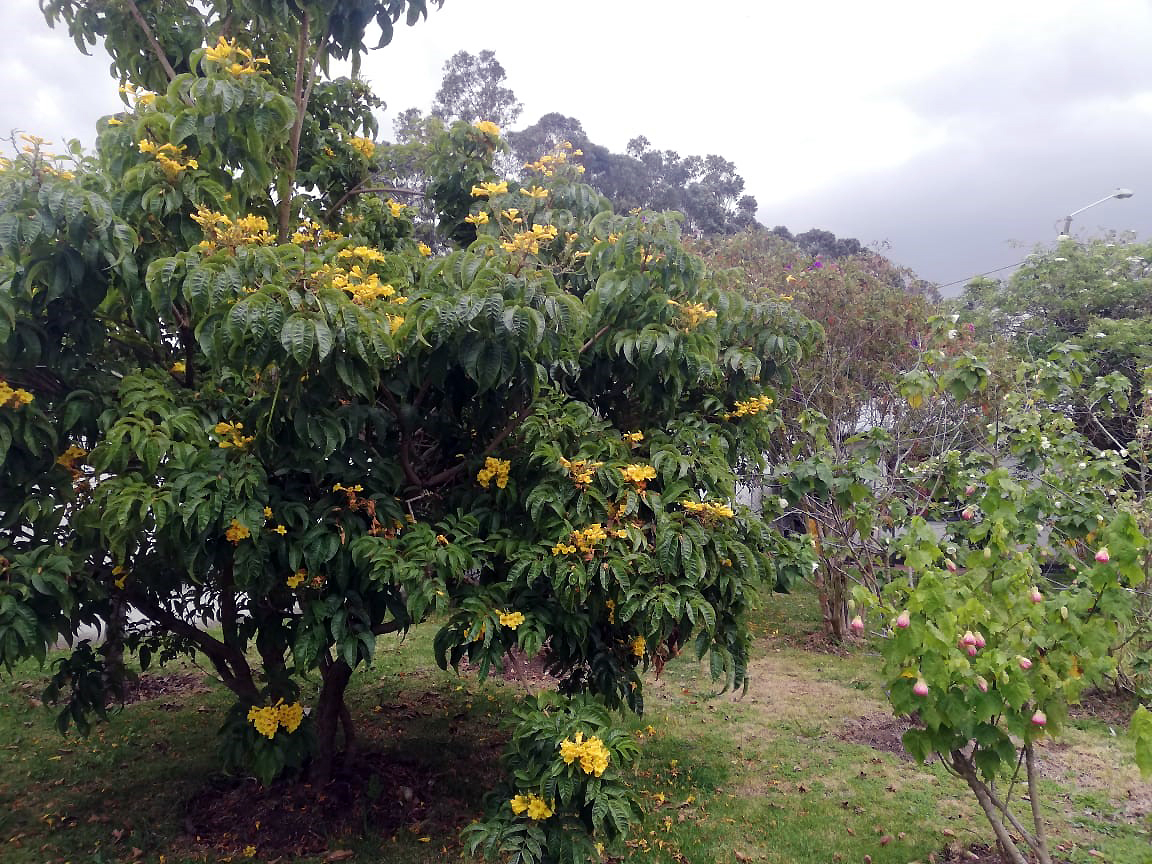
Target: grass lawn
799 769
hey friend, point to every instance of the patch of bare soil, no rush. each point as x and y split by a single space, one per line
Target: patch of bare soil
879 731
373 793
977 853
1113 707
170 687
532 672
815 641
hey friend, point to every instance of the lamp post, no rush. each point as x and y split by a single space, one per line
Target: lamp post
1119 193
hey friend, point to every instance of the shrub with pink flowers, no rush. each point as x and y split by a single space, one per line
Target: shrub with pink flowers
999 624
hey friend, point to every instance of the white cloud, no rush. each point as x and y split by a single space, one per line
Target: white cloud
947 129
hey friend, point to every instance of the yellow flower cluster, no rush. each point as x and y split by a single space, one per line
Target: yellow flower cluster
707 510
53 171
693 314
309 233
639 646
13 398
220 232
178 368
749 407
638 473
490 190
366 147
536 807
581 471
396 207
511 620
232 435
488 128
237 531
266 720
634 438
563 549
168 156
296 579
121 575
364 287
586 539
424 248
271 717
139 97
237 60
528 242
497 468
480 218
362 253
593 755
534 192
549 162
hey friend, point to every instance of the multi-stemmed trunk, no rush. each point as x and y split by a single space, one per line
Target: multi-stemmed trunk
1002 819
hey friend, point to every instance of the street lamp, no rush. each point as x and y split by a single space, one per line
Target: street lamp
1119 193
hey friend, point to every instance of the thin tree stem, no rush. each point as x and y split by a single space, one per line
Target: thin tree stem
1034 799
305 78
151 37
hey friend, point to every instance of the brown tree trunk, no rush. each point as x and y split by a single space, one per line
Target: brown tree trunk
114 647
330 710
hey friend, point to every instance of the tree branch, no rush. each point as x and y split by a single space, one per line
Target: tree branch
236 677
365 190
513 424
301 94
595 336
405 442
384 628
151 37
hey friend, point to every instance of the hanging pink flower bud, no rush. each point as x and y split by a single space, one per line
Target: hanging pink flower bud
980 643
950 564
982 684
972 649
1036 596
1039 718
969 638
902 620
1024 662
920 688
1102 555
857 624
967 513
968 490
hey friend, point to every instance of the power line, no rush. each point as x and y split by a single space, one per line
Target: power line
985 273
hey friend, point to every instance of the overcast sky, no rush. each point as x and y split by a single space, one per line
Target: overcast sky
956 134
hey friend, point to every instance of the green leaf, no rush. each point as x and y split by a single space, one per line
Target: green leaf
298 338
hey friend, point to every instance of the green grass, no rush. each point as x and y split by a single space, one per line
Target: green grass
765 776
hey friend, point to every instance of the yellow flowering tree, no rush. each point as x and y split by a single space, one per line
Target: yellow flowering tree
236 388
